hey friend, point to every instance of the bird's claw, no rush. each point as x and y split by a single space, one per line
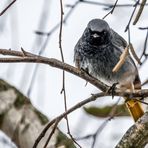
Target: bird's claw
112 89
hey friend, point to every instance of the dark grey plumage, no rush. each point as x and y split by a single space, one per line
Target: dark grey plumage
99 50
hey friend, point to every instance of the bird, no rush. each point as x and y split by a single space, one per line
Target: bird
98 51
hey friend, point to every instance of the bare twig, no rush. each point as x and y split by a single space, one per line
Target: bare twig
143 102
2 12
134 53
139 11
145 45
111 11
52 132
43 47
58 24
107 5
78 105
102 126
63 86
135 6
145 82
33 58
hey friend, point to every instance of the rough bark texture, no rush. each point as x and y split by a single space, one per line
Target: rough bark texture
23 123
137 135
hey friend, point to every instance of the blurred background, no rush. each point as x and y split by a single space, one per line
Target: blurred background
26 24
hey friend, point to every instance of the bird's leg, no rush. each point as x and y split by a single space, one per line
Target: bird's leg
112 89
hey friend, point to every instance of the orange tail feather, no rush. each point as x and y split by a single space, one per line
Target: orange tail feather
135 109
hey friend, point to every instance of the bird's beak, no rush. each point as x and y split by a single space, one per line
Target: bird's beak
95 35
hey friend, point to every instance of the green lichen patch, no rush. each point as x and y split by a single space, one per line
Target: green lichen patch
43 118
20 100
4 86
63 140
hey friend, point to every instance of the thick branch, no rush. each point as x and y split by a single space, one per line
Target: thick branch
137 135
22 122
32 58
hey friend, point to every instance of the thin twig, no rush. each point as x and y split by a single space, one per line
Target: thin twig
109 6
145 82
3 11
58 24
52 62
102 126
134 53
143 102
139 11
52 132
38 42
63 85
135 6
78 105
111 11
43 47
145 46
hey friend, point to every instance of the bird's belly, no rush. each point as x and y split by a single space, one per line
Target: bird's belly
103 72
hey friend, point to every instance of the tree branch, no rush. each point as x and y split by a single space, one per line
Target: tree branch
32 58
137 135
22 122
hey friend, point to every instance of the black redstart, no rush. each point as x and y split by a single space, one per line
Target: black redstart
98 51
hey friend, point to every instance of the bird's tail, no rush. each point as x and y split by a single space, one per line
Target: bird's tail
135 109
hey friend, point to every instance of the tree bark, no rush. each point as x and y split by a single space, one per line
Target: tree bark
20 121
137 135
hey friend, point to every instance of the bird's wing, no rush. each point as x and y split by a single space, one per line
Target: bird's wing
118 41
134 107
121 44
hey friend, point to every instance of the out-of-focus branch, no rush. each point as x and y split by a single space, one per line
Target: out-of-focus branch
22 122
139 11
137 135
47 36
3 11
129 22
145 82
107 5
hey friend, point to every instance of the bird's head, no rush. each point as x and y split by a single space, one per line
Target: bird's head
97 32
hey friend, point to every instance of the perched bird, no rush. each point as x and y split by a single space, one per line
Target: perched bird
98 51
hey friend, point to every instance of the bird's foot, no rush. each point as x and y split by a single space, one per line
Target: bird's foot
112 89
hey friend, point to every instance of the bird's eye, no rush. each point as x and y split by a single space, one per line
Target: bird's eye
103 32
90 30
